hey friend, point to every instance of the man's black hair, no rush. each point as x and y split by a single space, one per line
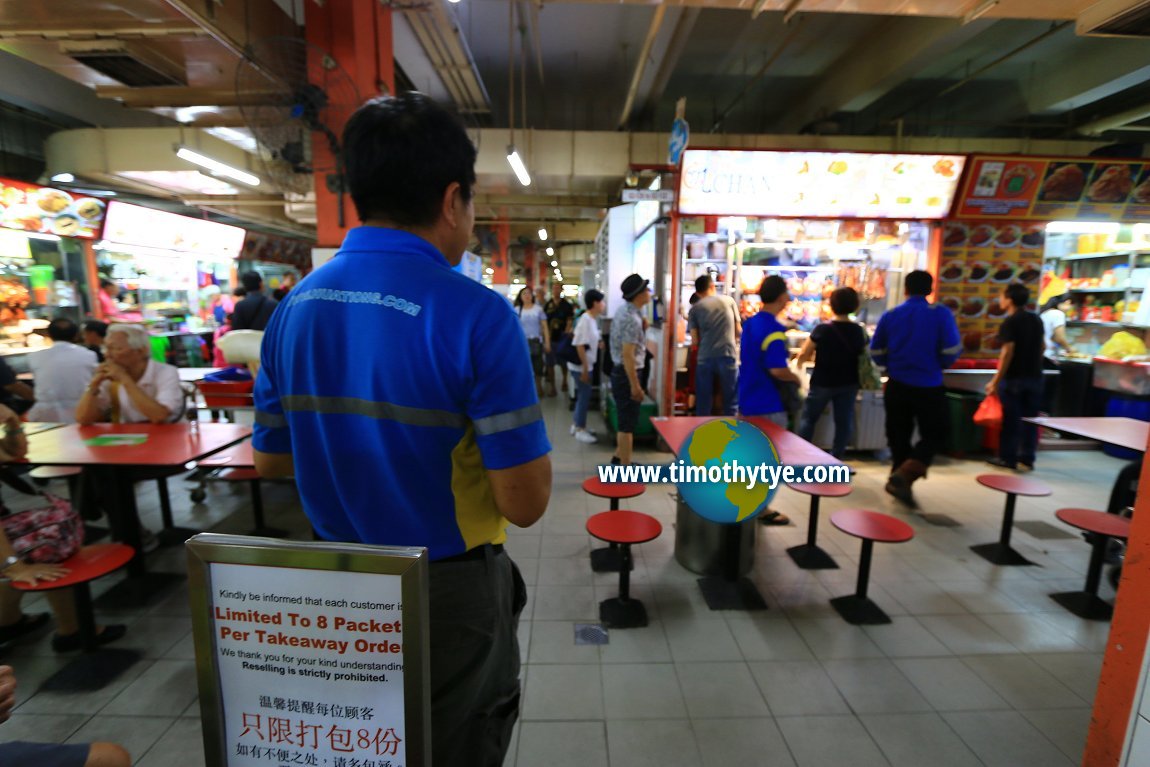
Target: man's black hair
400 154
845 301
772 287
62 329
592 297
918 283
703 283
1018 294
252 281
97 327
105 282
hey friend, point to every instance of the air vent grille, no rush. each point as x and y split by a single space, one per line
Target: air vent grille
125 69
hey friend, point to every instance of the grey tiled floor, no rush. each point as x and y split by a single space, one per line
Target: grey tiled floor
979 666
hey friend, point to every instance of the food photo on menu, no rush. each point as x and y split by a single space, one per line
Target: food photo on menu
1141 193
1112 183
1064 182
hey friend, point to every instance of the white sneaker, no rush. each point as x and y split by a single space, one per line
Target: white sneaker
148 540
572 432
585 437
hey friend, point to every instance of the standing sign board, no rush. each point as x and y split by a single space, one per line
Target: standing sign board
310 653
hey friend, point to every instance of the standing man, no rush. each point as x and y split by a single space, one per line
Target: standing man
1018 380
61 373
255 310
714 325
432 437
628 353
586 343
559 313
914 342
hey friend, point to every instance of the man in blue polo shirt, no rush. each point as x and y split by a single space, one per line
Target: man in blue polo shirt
915 342
401 395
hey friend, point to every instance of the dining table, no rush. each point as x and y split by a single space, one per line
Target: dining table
730 590
1129 433
117 456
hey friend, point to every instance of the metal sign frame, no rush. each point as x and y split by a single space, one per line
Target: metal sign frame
409 563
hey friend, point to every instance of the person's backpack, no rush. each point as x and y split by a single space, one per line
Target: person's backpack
566 351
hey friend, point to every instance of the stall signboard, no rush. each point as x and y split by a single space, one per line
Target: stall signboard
718 182
1052 189
277 250
132 225
44 210
311 653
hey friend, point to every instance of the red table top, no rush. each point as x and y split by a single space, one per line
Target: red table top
91 562
594 486
1014 485
235 457
1094 521
792 448
1124 432
169 444
822 490
624 527
872 526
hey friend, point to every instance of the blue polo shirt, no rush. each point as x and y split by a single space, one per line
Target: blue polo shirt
396 383
764 346
915 342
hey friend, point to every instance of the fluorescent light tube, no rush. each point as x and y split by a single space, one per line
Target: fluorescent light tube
217 167
63 178
543 233
517 165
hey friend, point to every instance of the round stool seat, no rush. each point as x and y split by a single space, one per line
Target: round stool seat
54 472
594 486
872 526
239 475
824 490
88 564
624 527
1014 485
1093 521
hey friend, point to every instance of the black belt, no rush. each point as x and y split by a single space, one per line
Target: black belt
479 552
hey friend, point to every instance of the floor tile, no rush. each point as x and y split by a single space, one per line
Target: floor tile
1022 682
185 738
83 702
136 734
874 686
41 728
720 690
1030 633
793 688
567 571
1078 671
819 741
562 744
700 640
906 739
1006 739
966 634
642 645
769 639
165 689
643 691
565 603
833 638
1066 728
905 637
664 743
950 685
736 742
562 692
554 642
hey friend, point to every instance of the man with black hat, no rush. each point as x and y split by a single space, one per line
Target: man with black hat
628 352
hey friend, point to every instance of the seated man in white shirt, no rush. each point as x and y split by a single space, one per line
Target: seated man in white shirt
61 373
131 387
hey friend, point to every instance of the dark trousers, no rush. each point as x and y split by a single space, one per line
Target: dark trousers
474 607
723 368
911 406
1021 398
1049 387
842 398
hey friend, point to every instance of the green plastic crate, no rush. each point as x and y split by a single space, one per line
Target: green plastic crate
964 437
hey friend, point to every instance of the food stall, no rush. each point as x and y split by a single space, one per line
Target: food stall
45 245
821 220
166 266
1063 226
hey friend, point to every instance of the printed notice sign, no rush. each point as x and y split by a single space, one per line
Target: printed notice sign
308 665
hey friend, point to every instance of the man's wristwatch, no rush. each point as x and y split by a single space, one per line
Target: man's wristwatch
9 562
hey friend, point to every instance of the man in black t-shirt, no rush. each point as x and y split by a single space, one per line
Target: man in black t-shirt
254 311
559 313
1018 381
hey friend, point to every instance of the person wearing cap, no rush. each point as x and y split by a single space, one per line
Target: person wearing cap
628 352
586 343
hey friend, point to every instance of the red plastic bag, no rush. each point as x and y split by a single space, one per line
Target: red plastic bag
989 412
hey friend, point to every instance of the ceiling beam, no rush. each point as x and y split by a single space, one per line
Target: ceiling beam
670 58
1086 74
119 31
641 63
179 96
871 69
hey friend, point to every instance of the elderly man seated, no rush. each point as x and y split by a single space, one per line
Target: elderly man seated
131 387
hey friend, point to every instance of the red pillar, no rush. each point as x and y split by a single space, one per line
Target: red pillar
500 258
357 34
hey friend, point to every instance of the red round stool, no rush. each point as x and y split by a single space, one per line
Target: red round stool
1001 553
622 529
1103 526
252 477
808 555
606 560
870 526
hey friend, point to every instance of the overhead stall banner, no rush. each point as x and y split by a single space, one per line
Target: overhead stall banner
43 210
1051 189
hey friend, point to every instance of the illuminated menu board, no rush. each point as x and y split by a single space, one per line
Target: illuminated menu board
133 225
1050 189
716 182
41 209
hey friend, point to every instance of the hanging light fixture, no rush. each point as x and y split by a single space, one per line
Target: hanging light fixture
543 233
517 165
550 251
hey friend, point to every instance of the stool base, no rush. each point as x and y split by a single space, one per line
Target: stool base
618 613
860 611
810 557
1085 605
723 594
998 554
606 560
92 671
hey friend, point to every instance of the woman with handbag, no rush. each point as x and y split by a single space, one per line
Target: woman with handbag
835 381
41 538
534 323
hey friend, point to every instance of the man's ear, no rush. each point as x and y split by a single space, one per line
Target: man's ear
451 195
